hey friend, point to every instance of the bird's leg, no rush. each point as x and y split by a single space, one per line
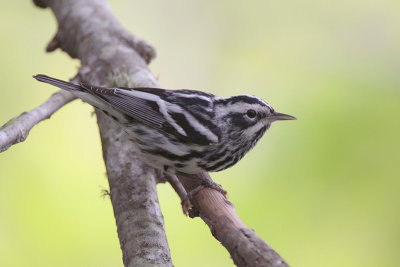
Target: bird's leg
206 183
202 181
187 206
180 190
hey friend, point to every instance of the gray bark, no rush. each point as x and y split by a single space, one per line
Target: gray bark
111 56
245 247
17 129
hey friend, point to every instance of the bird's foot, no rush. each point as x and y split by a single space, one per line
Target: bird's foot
186 198
207 184
187 206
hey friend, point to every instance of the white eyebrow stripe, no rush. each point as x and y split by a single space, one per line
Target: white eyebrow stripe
242 107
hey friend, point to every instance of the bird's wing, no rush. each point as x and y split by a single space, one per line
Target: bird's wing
148 106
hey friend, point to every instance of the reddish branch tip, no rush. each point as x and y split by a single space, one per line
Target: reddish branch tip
53 44
39 3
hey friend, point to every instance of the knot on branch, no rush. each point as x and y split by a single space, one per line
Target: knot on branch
40 3
143 48
54 43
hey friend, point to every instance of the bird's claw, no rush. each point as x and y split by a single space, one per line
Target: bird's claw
187 206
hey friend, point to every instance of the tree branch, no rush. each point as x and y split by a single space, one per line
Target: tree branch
110 56
245 247
133 194
17 129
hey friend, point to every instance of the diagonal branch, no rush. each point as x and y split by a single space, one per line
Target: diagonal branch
245 247
17 129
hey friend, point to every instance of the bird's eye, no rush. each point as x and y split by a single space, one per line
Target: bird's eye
251 113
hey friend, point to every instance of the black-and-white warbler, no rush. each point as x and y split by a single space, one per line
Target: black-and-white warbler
181 131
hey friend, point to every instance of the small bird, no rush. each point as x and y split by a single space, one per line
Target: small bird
181 131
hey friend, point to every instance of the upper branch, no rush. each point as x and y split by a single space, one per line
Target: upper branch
17 129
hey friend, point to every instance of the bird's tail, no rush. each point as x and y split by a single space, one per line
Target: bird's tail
58 83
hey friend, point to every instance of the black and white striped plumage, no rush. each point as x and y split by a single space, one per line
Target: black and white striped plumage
182 131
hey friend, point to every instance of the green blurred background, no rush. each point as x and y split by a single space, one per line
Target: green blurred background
322 191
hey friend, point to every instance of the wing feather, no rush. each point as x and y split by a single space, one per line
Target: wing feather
137 109
150 108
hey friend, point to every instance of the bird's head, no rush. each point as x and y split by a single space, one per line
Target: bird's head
247 117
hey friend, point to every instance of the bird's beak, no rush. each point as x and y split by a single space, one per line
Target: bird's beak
275 116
